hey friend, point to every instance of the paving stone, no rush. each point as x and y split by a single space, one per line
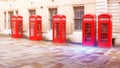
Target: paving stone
37 65
56 65
74 66
26 66
94 66
67 61
114 59
112 65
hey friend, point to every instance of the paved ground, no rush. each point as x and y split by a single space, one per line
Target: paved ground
23 53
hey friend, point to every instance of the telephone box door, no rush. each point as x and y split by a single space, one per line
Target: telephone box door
59 28
88 30
105 30
13 27
20 27
35 28
17 26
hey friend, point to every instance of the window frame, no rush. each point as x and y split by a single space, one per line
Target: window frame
10 14
52 10
5 21
32 12
77 17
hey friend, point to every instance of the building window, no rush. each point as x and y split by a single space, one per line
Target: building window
78 13
52 12
4 20
32 12
52 0
10 14
17 13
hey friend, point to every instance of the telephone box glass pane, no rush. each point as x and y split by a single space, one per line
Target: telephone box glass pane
19 28
104 32
88 31
56 30
13 27
32 28
38 27
63 30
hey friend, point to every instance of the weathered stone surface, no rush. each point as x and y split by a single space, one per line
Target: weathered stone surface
23 53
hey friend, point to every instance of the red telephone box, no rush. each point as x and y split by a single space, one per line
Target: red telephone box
88 30
105 30
59 28
17 26
35 27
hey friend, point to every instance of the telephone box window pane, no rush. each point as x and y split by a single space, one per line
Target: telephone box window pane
87 32
20 28
104 32
57 30
63 28
13 27
38 27
32 28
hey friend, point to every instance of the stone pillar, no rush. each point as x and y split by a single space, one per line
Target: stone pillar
7 18
101 6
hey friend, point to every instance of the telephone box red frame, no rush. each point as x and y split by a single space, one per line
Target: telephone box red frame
88 30
59 28
17 26
35 27
105 30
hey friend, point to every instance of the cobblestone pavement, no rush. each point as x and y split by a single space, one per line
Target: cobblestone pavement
23 53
